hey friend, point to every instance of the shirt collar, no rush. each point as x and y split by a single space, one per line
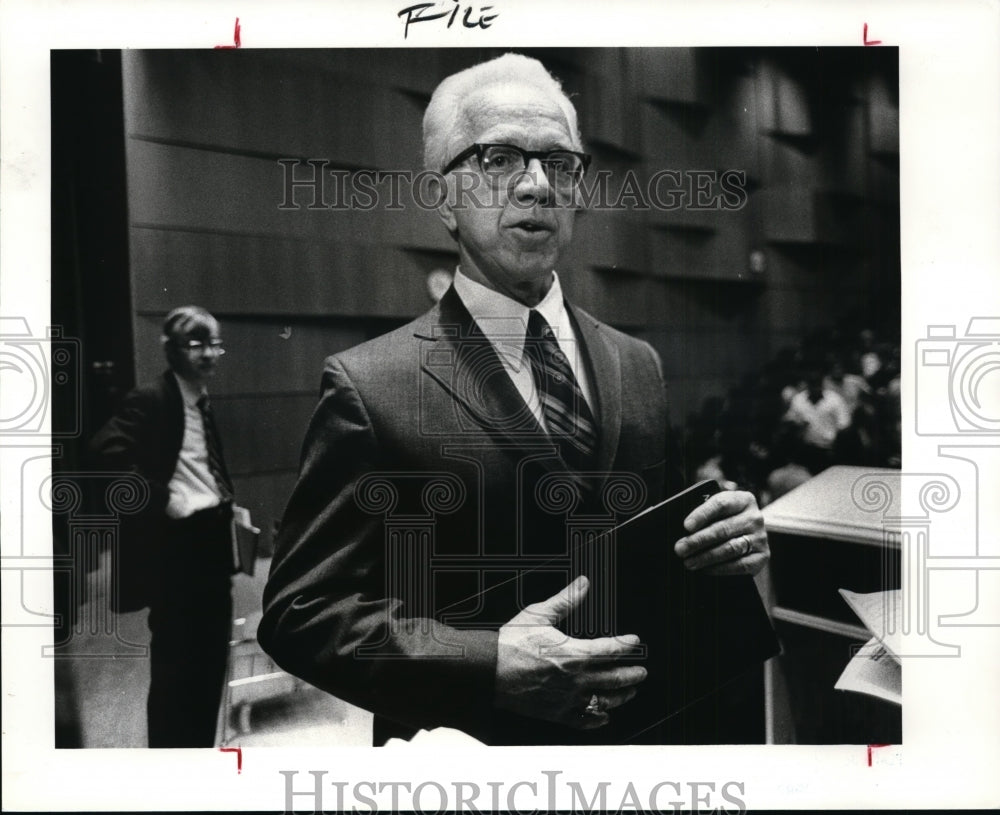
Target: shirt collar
504 320
189 393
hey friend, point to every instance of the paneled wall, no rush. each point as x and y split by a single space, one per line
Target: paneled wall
814 132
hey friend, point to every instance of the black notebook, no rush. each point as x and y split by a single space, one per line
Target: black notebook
699 632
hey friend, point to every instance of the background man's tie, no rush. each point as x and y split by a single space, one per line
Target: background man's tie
567 416
214 448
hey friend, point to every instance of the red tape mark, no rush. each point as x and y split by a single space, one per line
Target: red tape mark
239 756
236 37
872 747
864 39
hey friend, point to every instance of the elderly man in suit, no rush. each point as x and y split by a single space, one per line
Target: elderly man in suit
176 556
423 568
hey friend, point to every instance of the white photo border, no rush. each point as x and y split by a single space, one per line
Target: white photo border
949 60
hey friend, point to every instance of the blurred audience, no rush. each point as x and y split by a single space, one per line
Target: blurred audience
850 387
835 399
820 414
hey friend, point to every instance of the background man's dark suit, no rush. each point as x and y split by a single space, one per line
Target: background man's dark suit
430 409
144 437
181 574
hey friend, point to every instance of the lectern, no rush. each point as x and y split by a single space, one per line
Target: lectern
822 541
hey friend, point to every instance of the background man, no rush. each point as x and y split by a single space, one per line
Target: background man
488 422
820 413
176 556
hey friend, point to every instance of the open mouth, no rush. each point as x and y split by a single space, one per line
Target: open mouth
531 227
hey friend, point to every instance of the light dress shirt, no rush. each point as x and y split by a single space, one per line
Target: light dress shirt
823 420
192 486
504 322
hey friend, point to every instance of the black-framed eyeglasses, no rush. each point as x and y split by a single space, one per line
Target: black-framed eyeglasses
502 162
199 349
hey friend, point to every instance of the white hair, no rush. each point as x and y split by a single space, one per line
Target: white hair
447 105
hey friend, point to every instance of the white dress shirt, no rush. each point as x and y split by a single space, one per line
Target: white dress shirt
192 486
504 322
823 420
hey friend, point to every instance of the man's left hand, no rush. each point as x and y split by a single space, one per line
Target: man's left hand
726 536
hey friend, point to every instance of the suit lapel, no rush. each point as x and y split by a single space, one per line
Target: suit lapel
605 373
173 406
474 376
478 381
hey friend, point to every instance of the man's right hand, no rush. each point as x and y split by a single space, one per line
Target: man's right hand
545 674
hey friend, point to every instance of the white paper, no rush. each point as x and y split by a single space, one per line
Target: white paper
882 614
437 737
875 671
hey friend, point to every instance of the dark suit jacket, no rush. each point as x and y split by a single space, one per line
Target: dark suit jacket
430 509
143 437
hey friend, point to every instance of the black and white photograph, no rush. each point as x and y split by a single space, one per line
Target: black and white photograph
609 417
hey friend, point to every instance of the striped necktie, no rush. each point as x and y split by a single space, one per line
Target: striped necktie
213 446
567 416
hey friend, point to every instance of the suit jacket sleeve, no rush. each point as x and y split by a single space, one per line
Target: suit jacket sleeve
137 440
675 470
129 443
328 614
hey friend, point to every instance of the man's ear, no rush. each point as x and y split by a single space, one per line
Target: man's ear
172 355
439 190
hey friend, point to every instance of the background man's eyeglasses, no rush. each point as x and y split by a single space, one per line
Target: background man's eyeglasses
500 163
199 349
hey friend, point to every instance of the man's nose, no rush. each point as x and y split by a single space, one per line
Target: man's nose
533 183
